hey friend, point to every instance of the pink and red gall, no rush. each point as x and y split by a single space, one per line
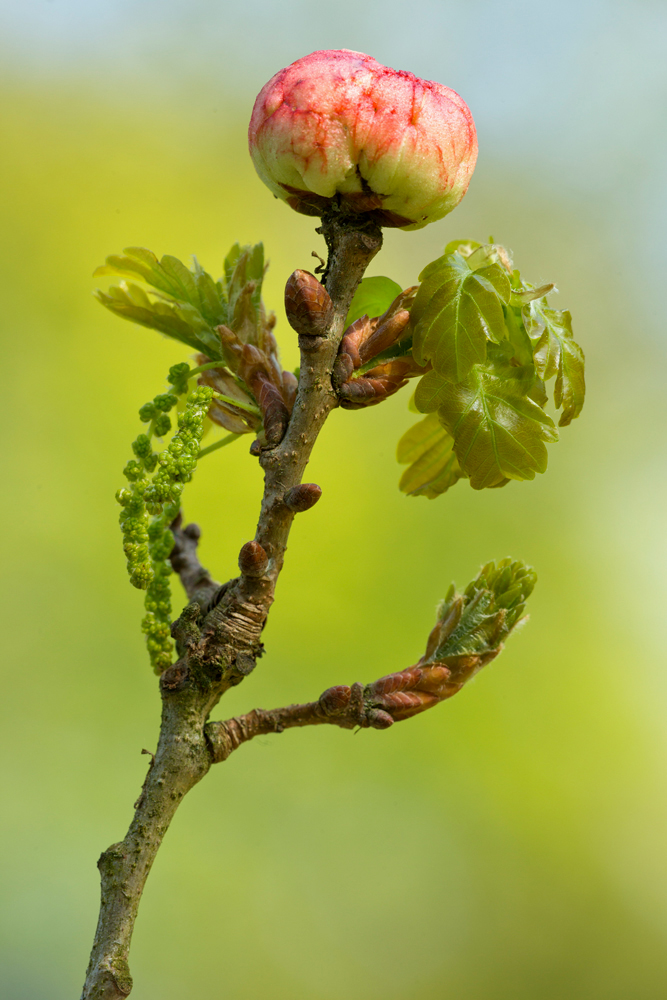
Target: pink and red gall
338 123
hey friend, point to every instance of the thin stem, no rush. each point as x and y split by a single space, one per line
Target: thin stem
218 444
203 368
230 401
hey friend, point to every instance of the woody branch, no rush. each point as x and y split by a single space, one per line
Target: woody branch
218 633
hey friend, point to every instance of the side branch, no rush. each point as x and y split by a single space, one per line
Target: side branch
338 706
197 581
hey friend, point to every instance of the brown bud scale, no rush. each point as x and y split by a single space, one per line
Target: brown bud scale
302 497
343 368
253 560
275 413
355 335
307 304
335 699
385 335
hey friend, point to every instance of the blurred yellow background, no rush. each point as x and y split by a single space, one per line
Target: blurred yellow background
509 844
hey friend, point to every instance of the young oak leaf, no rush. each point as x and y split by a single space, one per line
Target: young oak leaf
373 296
244 272
427 448
499 432
457 309
177 320
557 353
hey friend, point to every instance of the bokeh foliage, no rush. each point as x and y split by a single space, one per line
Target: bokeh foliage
508 844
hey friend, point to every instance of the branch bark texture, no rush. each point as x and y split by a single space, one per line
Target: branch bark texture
218 635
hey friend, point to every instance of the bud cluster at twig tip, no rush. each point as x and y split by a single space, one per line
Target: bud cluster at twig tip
366 339
468 634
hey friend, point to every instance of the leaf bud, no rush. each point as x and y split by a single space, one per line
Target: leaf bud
354 335
253 560
335 700
385 335
302 497
307 304
274 412
379 719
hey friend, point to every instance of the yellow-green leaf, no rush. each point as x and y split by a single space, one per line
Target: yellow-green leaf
456 311
557 353
372 298
499 431
433 466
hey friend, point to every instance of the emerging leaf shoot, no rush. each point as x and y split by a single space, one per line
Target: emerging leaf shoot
469 632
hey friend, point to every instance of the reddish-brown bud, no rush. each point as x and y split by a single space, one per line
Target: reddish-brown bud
377 384
342 369
302 497
379 719
307 304
253 560
275 413
335 699
385 335
354 336
411 691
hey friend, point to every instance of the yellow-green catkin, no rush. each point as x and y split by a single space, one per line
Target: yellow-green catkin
148 543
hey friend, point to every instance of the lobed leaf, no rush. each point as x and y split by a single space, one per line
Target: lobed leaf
499 431
428 450
182 280
189 306
557 353
457 309
176 320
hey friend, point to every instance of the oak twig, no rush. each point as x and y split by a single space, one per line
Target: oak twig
218 633
347 713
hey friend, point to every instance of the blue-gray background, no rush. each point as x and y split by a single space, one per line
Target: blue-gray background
509 844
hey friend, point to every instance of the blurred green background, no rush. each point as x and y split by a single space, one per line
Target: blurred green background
509 844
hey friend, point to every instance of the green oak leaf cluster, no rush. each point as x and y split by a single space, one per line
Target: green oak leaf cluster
492 343
181 303
156 481
223 320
